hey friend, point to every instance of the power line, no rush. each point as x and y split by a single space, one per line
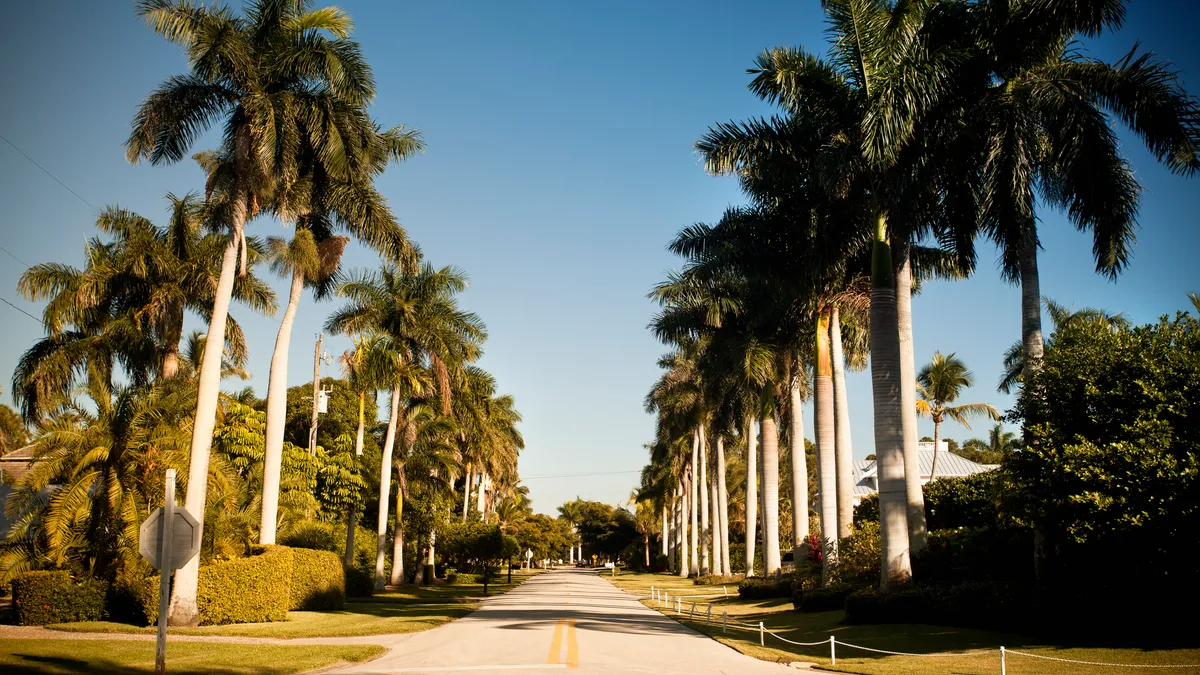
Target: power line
14 256
56 180
579 475
20 310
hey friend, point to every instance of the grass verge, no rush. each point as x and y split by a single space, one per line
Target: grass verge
778 616
63 657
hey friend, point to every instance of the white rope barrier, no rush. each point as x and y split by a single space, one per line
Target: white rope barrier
664 599
1100 663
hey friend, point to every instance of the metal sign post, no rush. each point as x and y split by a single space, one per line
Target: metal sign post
164 584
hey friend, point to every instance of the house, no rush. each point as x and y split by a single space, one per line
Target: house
13 466
949 465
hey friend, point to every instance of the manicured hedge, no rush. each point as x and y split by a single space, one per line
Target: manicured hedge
973 605
821 598
42 598
318 581
254 589
759 588
360 581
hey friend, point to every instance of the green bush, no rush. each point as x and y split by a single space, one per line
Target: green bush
41 598
360 581
315 535
859 555
318 580
974 605
974 555
247 590
821 598
716 580
759 588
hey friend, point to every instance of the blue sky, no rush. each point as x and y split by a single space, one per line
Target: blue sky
559 164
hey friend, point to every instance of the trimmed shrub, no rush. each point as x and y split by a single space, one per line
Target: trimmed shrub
821 598
254 589
360 582
42 598
716 580
315 535
318 580
974 555
974 605
760 588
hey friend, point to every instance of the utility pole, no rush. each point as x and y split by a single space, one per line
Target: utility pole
316 394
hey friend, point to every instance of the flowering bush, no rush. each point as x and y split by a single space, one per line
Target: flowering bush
56 597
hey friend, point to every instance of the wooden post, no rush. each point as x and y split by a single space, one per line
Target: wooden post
164 584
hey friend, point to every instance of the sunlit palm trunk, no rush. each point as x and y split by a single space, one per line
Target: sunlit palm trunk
914 496
183 610
385 489
276 416
723 495
174 333
665 540
684 566
693 509
398 531
799 474
714 502
770 489
751 494
841 408
672 534
481 496
826 449
467 494
886 383
352 512
705 525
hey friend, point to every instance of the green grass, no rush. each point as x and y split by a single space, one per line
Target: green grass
57 657
358 618
778 616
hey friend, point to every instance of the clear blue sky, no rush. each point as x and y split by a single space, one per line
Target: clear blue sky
559 164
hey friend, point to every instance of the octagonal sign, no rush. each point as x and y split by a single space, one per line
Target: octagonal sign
185 538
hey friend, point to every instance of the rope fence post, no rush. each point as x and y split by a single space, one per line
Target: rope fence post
692 611
678 606
762 637
708 616
832 651
725 589
1001 659
724 622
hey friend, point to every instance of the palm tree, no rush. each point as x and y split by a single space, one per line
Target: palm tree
319 204
127 304
417 322
275 74
1046 121
939 384
1015 362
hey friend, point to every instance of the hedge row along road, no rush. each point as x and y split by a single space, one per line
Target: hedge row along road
566 619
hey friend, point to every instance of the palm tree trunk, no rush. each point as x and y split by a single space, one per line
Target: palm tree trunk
352 513
694 511
799 471
385 488
751 494
723 494
184 610
914 496
770 468
362 423
467 493
715 531
886 383
705 525
937 434
430 572
684 567
398 532
842 442
174 333
664 541
646 543
481 495
672 534
277 415
826 449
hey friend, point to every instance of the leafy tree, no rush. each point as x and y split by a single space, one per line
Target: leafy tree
606 530
13 433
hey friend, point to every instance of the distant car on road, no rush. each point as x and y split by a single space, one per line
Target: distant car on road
581 564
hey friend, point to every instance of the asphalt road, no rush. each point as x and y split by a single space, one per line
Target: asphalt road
564 620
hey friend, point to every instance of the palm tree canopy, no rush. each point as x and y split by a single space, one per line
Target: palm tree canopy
940 383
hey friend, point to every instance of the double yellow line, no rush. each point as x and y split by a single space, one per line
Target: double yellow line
572 645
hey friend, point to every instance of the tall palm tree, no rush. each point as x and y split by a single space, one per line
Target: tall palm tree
1046 120
939 384
319 204
419 325
1015 362
274 74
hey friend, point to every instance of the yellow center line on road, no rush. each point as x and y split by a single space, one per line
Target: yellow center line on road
556 642
572 645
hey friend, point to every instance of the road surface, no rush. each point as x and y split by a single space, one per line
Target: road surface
569 620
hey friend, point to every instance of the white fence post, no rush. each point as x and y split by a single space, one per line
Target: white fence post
832 652
1001 659
678 606
725 590
762 636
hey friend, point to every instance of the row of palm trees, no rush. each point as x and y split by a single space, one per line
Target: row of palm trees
289 90
925 127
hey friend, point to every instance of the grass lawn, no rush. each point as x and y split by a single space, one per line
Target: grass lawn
125 656
777 615
406 610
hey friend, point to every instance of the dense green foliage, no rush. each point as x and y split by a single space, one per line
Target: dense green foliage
318 581
969 501
755 588
606 531
42 598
